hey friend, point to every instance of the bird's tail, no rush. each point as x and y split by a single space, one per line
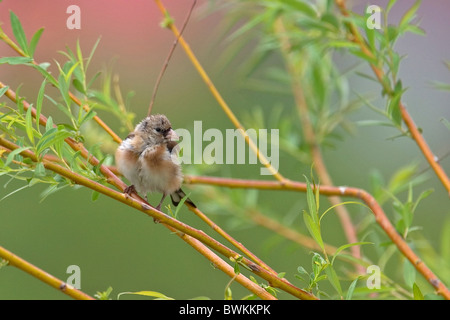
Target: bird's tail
178 195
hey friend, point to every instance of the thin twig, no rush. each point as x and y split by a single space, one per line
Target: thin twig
114 180
86 108
311 141
166 62
166 220
16 261
414 131
219 97
367 198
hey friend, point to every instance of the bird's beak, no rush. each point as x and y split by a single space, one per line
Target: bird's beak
172 135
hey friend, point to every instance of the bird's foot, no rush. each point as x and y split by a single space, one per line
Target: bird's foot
129 190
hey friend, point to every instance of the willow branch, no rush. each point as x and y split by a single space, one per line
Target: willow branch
166 63
367 198
225 267
311 141
165 220
16 261
407 119
230 239
114 180
229 113
77 101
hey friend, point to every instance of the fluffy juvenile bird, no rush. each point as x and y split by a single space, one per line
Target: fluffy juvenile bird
148 159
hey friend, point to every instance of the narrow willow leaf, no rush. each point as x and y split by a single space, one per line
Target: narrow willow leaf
345 246
42 68
94 48
154 294
39 170
15 60
79 86
313 229
409 15
310 199
350 290
3 90
394 109
13 153
333 278
29 125
445 240
18 32
39 101
34 41
49 124
301 6
390 5
409 273
88 116
417 293
177 209
13 192
95 195
50 138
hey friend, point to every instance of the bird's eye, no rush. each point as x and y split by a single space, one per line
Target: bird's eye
158 129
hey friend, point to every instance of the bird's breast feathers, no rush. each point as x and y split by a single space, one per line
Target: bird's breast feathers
160 170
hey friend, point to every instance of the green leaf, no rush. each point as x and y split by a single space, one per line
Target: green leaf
340 204
39 170
15 60
409 273
167 21
50 138
39 100
95 195
178 208
345 246
417 293
401 178
13 153
42 68
11 193
302 270
445 240
88 116
34 41
301 6
49 124
310 199
351 288
29 125
393 109
154 294
79 86
313 229
390 5
104 295
18 32
3 90
333 278
409 15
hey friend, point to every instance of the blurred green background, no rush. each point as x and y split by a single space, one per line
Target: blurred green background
122 248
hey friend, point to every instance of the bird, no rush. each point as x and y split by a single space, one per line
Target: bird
148 159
